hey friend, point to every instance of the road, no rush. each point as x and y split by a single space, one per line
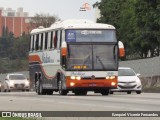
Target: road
30 101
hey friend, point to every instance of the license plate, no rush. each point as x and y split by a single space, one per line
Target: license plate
93 84
19 86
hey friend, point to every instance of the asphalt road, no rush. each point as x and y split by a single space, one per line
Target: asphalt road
30 101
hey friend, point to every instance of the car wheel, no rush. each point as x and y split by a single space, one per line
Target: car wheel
27 90
5 90
129 92
138 92
111 92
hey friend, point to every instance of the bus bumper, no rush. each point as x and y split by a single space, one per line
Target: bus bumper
91 84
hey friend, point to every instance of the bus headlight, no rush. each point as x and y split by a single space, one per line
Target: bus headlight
78 77
73 77
113 83
110 77
107 77
72 84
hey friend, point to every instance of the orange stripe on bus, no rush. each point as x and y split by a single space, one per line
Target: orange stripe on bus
35 58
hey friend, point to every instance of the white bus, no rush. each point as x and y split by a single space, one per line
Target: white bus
74 55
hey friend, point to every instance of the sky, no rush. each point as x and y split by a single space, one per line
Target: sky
64 9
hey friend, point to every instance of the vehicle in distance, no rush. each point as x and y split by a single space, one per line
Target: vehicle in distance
128 81
15 82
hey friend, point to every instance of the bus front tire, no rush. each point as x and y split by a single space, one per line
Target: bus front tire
105 92
80 93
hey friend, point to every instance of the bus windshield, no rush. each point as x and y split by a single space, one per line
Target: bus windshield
91 35
92 57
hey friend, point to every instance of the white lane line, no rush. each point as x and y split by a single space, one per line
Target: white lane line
93 105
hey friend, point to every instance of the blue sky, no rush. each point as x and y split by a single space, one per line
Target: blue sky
64 9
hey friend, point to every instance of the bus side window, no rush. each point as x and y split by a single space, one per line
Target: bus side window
41 46
63 35
31 39
33 42
46 41
60 38
55 39
51 41
37 42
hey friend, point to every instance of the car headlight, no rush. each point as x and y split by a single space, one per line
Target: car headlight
11 83
0 85
27 83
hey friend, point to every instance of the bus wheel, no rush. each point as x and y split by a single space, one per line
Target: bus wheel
80 92
49 92
40 89
61 91
105 92
36 87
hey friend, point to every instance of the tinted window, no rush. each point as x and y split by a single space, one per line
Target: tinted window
37 42
46 40
17 77
41 41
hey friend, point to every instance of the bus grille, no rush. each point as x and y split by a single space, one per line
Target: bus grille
90 78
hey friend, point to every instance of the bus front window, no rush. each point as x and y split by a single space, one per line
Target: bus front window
92 57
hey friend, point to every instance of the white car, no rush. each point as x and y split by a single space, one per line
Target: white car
128 81
15 82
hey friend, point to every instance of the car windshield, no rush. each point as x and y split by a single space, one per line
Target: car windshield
17 77
92 57
126 72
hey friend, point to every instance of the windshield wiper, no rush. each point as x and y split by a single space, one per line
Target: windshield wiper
86 59
97 57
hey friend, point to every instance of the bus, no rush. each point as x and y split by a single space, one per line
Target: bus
75 55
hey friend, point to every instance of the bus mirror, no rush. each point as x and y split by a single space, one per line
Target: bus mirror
64 49
121 49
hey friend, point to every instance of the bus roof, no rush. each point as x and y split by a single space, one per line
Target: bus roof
74 24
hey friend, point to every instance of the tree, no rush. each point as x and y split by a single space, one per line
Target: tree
44 20
148 26
137 23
